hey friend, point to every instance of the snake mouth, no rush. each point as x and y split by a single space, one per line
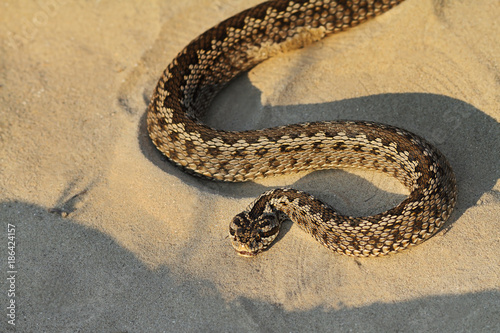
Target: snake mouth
246 254
243 249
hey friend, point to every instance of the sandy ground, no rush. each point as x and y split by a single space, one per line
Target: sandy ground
112 238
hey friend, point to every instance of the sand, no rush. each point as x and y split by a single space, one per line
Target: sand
110 237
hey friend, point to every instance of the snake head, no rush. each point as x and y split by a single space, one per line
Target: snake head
252 236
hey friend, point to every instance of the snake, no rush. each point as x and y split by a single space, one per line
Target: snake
208 63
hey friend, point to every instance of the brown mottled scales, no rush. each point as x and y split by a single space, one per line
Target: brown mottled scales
189 84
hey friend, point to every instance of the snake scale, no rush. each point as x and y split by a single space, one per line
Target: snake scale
235 45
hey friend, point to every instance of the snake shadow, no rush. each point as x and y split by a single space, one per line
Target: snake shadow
74 278
468 137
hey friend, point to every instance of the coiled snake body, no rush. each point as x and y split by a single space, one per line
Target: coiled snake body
237 44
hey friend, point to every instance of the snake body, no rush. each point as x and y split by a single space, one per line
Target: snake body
210 61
